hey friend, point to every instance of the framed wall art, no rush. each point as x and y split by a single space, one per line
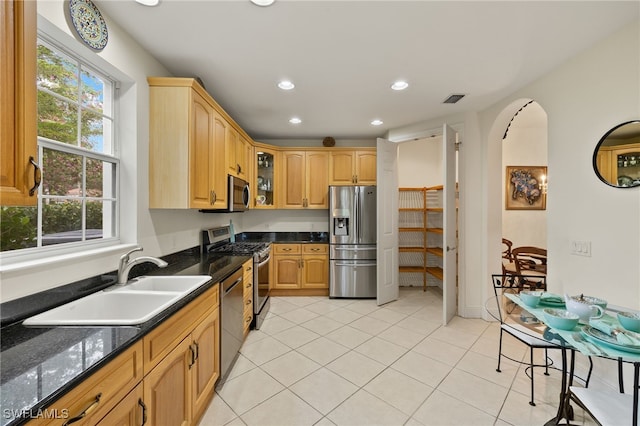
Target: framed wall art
526 188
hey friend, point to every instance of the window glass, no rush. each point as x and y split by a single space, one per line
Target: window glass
77 201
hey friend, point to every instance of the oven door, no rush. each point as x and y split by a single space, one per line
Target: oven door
261 274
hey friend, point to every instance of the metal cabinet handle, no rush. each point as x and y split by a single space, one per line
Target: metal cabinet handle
144 411
248 320
286 249
356 179
214 197
193 356
249 301
315 249
86 411
249 284
37 177
248 268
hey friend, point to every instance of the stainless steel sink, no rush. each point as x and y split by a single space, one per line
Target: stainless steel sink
131 304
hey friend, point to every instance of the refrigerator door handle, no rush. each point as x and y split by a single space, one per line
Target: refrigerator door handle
356 207
356 264
356 248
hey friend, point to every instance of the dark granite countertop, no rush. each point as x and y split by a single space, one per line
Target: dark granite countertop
40 364
285 237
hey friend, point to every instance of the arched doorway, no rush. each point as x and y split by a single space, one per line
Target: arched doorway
495 183
524 147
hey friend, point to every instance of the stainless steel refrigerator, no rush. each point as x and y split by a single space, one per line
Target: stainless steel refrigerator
352 242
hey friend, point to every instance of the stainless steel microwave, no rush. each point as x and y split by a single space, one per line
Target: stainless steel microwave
238 197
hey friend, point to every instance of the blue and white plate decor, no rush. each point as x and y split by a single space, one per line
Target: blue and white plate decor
88 23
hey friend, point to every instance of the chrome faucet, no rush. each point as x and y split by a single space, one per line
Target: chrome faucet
125 264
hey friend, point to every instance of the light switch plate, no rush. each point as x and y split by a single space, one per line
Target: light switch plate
581 248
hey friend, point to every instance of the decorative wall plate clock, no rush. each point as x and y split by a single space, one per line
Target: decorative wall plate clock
88 23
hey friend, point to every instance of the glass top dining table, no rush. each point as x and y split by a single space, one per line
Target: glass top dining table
532 321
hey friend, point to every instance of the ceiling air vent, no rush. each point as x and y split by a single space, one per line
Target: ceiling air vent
453 99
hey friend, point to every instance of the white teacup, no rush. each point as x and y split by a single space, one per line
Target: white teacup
260 199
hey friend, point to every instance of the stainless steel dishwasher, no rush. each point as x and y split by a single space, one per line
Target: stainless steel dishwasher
231 322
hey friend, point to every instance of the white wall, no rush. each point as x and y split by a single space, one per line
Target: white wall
525 145
420 163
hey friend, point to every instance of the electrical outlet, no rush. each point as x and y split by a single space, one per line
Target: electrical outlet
581 248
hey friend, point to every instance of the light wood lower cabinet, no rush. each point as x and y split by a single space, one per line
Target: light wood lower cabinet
167 388
167 378
300 266
131 411
247 267
178 387
92 399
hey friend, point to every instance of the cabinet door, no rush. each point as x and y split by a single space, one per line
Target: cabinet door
131 411
317 180
365 167
201 153
265 180
293 166
231 152
18 125
206 370
315 271
341 170
219 180
241 158
167 388
286 272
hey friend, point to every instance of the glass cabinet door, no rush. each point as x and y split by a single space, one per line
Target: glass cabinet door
265 178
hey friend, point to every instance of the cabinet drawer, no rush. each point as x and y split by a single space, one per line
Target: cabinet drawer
102 391
247 269
160 341
286 248
315 248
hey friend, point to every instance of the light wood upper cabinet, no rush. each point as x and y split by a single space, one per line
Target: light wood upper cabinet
186 146
351 167
18 100
365 167
266 172
236 154
305 179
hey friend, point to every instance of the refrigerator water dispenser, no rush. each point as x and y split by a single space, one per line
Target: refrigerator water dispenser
340 226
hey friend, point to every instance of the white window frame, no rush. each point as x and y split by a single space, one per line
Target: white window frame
22 259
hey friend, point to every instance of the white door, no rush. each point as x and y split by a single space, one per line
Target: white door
449 262
387 228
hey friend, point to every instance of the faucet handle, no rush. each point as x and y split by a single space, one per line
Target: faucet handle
125 257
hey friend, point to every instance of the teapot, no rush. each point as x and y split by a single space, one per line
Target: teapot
585 306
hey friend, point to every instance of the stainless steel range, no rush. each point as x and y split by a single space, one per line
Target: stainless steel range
218 240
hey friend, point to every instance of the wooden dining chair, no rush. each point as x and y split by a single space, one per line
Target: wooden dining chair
532 262
508 263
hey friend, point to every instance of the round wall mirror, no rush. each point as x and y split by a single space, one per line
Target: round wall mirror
616 159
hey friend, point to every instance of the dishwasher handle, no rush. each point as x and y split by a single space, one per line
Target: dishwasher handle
228 289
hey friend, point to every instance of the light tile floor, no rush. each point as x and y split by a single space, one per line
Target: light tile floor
320 361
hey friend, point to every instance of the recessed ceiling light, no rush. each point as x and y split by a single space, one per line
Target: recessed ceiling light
295 120
399 85
286 85
262 3
148 2
377 122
